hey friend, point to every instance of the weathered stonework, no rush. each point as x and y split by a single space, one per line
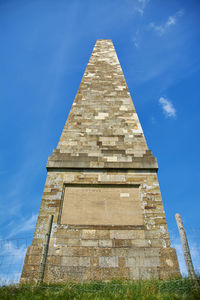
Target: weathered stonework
102 148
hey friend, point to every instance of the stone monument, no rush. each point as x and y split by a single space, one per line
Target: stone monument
102 189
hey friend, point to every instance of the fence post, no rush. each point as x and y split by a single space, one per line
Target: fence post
186 249
45 251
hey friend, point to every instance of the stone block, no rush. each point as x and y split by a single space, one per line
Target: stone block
122 261
134 273
34 250
152 252
135 252
89 243
156 243
102 234
121 243
111 178
72 261
33 259
70 234
120 252
94 261
66 250
148 273
88 234
94 274
72 242
169 267
139 243
84 261
29 268
53 259
54 250
151 261
105 243
108 262
126 234
130 262
101 251
61 274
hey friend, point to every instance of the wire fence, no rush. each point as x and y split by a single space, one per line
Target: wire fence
193 236
12 255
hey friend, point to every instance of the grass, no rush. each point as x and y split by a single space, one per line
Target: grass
177 289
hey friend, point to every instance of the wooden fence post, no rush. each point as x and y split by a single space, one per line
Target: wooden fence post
45 251
186 249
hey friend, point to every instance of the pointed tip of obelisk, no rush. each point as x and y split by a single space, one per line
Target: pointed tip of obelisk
104 41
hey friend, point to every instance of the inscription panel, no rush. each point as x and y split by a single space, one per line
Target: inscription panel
102 205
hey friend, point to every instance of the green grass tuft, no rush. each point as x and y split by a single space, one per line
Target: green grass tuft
177 289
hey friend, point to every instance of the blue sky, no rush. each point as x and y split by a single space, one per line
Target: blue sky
45 47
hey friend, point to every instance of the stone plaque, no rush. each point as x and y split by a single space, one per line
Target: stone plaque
102 205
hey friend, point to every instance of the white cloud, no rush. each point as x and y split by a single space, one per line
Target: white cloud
24 226
11 261
171 21
137 6
141 6
9 248
136 39
180 13
168 107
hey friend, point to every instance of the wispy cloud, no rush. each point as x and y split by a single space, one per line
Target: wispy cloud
168 107
24 226
136 39
137 6
171 21
10 249
141 5
11 261
12 258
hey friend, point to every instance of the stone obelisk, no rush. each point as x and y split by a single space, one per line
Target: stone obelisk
102 189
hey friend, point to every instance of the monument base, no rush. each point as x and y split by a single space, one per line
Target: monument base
138 250
100 254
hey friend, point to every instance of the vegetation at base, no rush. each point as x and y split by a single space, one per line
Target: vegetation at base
176 289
